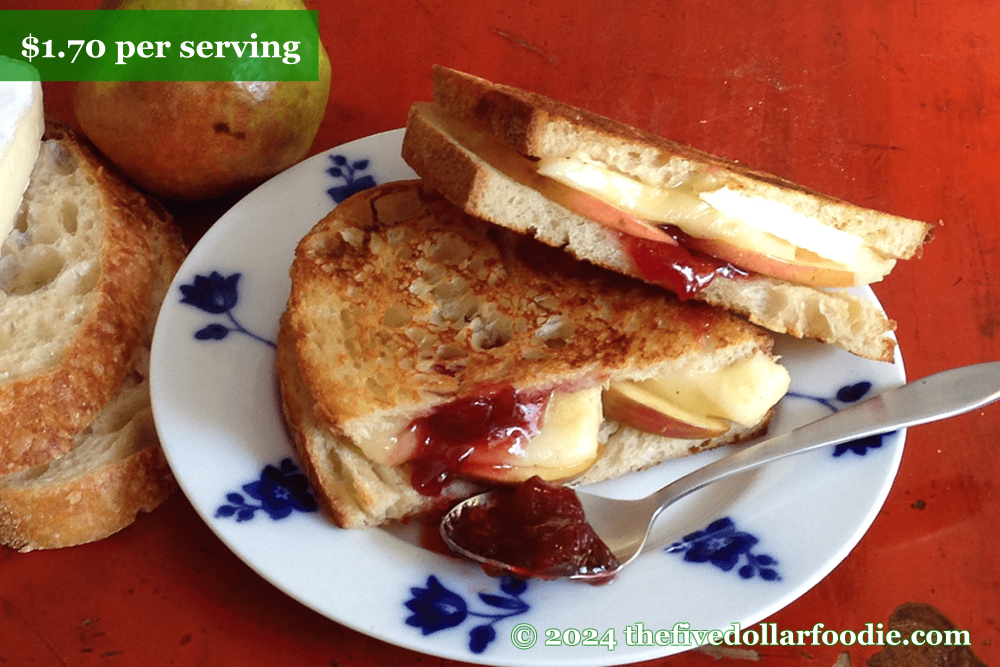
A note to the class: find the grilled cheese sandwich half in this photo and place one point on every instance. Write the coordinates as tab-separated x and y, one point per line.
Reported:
624	199
424	354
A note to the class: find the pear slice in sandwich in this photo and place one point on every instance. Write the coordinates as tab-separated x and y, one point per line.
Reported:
425	354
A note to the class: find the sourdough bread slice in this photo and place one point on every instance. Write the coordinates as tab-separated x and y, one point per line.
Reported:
536	126
400	303
115	468
75	279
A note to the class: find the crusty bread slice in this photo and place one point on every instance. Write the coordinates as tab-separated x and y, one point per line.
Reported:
537	126
115	468
75	279
400	303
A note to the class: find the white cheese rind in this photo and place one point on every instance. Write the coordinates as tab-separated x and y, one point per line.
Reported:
22	122
781	220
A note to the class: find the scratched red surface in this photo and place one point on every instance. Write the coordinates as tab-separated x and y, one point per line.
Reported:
892	104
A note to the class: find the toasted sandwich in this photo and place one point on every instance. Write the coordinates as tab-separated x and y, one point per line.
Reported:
424	354
703	227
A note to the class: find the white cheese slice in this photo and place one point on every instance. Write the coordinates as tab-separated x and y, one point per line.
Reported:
22	121
696	212
680	207
784	222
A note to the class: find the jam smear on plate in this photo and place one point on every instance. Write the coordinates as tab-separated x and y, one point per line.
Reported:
539	529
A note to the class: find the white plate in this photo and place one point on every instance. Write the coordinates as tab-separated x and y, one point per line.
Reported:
780	529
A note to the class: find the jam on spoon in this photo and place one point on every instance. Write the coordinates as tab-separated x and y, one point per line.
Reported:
537	528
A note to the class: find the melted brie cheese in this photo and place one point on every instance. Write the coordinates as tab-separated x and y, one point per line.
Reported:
782	221
710	212
22	122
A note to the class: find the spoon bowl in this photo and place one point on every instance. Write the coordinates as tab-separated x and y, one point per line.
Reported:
624	525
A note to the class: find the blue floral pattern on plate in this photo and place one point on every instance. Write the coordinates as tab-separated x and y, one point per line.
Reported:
347	170
218	295
281	490
435	608
851	393
721	544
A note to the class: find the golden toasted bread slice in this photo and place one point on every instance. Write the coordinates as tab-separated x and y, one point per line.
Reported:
481	145
401	304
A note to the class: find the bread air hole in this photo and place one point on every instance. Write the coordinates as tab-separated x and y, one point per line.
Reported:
556	331
376	389
450	250
69	216
496	332
396	315
33	269
87	278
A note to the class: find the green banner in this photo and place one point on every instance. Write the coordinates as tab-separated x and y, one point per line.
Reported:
160	45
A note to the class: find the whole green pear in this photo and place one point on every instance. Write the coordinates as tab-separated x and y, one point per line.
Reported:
194	140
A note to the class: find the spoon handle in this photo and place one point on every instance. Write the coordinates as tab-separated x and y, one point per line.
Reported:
939	396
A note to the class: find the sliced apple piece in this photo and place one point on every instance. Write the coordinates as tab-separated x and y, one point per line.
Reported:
742	392
822	274
603	213
565	446
632	404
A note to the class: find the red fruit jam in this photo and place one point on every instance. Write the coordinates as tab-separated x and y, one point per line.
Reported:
682	271
476	436
540	530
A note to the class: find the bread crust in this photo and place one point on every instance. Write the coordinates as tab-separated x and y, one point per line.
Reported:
833	317
114	468
400	302
351	490
89	508
44	411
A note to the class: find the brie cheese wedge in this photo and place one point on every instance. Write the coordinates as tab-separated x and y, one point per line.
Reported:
22	121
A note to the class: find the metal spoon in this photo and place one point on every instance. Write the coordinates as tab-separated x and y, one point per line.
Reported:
624	525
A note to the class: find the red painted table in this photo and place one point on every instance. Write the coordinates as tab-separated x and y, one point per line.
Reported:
892	104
